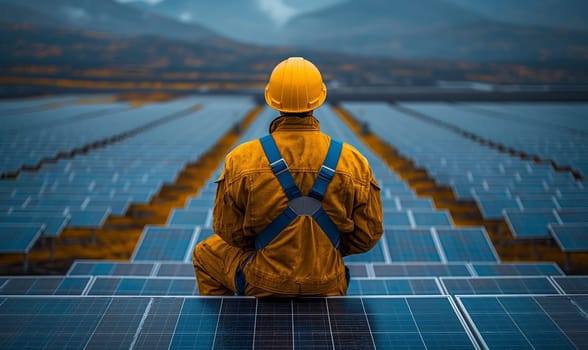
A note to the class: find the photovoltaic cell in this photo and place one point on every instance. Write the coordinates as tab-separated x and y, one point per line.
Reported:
551	322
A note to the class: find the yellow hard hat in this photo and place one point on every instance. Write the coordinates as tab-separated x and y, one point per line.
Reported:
295	86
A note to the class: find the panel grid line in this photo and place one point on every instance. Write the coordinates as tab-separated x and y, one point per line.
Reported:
141	323
330	327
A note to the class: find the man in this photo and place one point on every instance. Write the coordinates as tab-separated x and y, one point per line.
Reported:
290	205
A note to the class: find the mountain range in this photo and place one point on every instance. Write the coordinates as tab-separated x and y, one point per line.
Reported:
105	44
476	30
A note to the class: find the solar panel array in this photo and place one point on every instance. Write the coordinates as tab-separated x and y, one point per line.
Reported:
426	284
536	201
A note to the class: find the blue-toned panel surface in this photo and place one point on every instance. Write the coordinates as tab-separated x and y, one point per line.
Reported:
466	245
99	268
44	285
572	284
524	269
164	243
550	322
571	237
19	238
420	270
411	245
498	285
530	223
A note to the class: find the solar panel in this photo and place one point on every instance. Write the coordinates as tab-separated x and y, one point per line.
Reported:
573	216
376	254
107	268
431	218
200	202
175	270
420	270
570	237
411	245
519	269
551	322
530	224
415	203
573	203
165	244
572	284
204	234
140	286
54	223
19	238
189	217
357	270
498	285
492	208
394	218
393	286
44	285
466	244
88	218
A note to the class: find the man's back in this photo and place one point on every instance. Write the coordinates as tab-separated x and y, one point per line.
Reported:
301	260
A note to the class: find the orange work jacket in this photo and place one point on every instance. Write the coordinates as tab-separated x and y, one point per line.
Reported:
301	260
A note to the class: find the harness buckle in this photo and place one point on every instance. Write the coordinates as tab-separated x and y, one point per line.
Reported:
279	166
326	173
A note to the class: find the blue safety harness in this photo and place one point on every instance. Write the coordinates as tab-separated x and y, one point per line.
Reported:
298	205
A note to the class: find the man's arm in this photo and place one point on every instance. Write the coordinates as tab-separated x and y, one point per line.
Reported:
227	217
367	217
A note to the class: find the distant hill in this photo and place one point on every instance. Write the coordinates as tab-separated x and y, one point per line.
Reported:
238	19
430	29
106	16
37	60
571	14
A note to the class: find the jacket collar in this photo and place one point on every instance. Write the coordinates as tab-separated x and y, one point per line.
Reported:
284	123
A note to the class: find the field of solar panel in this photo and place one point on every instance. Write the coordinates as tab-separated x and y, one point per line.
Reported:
514	275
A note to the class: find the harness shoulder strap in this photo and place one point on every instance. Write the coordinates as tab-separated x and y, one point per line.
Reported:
279	167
